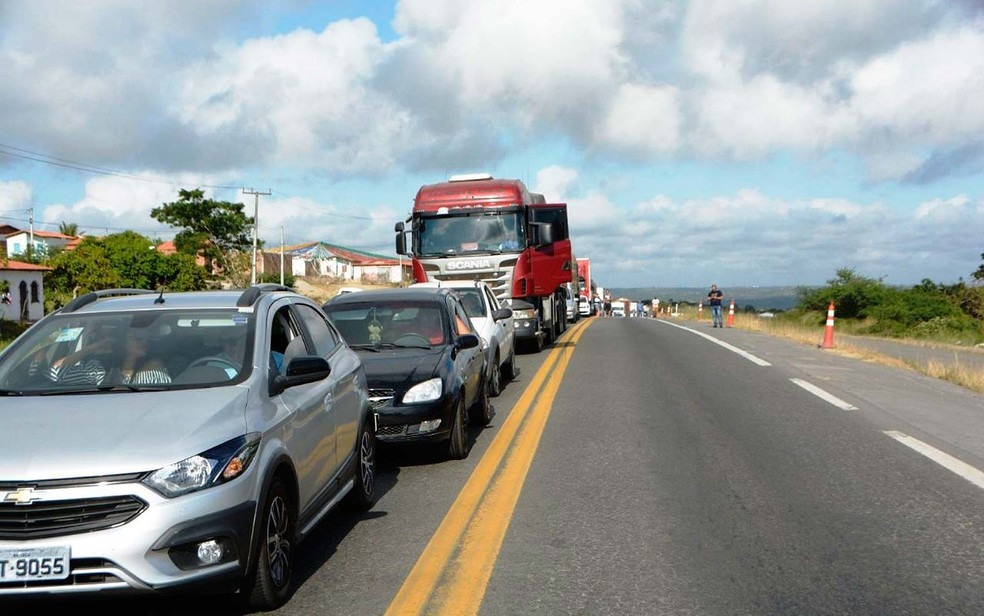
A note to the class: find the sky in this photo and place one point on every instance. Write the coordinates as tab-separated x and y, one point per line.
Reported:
736	142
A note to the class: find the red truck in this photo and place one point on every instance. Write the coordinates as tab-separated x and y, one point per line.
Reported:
586	287
476	226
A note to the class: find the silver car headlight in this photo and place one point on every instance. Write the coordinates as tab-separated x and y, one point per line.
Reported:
424	392
210	468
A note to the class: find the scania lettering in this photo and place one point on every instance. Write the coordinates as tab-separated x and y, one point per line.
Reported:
520	244
465	265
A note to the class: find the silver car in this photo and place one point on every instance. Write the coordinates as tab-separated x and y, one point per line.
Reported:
153	441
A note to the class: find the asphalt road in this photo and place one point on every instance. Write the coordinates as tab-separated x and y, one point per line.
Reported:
674	475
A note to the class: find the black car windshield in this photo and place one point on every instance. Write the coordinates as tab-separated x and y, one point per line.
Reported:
396	323
469	233
129	352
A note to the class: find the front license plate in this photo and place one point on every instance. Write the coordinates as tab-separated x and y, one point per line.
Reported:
32	564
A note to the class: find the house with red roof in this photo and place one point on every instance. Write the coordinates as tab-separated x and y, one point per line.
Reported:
24	283
44	241
333	261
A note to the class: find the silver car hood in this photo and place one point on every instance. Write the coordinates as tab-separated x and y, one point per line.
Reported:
95	435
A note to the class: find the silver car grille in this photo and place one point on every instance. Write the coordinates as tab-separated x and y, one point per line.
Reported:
42	519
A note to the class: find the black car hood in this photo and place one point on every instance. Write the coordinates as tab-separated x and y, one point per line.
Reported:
402	368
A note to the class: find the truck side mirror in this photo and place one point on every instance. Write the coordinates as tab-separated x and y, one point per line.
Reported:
542	234
398	227
401	241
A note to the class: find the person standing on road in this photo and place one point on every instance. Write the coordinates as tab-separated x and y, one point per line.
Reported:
714	299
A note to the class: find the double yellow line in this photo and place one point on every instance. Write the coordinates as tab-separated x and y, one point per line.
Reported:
452	573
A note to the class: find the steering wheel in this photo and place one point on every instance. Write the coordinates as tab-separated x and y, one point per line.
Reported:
221	362
412	339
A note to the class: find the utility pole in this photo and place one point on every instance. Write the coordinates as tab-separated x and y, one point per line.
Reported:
256	226
30	244
281	256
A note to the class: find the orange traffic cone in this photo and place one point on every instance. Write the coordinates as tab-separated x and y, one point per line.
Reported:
828	334
731	314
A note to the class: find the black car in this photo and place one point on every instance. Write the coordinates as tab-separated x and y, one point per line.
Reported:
424	361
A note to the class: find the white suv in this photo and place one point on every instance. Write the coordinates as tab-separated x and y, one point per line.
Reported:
493	321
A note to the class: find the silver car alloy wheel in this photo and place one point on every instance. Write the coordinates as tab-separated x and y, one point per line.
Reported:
278	542
367	462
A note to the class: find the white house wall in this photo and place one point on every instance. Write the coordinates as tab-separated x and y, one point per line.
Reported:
35	310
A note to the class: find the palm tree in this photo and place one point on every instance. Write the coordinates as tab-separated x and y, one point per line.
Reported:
69	228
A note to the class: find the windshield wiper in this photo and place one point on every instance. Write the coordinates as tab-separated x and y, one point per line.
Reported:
366	347
393	345
102	389
10	392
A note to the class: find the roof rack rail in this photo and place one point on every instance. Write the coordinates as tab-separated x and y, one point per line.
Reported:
88	298
250	295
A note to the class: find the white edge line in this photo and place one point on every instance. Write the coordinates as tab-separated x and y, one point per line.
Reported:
733	349
945	460
825	395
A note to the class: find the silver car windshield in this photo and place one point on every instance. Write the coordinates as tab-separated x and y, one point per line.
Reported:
129	351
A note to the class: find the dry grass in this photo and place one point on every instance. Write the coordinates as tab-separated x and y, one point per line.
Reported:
969	377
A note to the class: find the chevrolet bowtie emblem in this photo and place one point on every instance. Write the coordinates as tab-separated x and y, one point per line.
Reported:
23	496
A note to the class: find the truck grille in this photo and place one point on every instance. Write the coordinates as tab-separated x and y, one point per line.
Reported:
498	280
56	518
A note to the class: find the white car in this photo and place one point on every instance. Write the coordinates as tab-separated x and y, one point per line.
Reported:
494	322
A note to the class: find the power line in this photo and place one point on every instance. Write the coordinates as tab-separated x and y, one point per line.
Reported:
24	154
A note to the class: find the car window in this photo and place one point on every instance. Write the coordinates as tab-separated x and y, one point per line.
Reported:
285	340
462	324
318	328
490	298
473	301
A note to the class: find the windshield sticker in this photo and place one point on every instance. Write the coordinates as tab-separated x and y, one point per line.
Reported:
247	309
239	320
69	334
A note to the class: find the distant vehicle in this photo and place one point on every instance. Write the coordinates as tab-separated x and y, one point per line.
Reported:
570	300
155	441
344	290
493	322
495	229
584	307
618	308
424	362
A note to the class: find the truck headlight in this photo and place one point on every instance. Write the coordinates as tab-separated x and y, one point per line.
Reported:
424	392
525	314
213	467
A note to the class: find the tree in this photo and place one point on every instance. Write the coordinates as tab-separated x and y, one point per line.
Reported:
214	229
125	259
979	274
68	228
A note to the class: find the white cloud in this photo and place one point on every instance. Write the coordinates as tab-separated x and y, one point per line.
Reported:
14	197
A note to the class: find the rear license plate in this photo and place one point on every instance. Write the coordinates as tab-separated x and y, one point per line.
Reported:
32	564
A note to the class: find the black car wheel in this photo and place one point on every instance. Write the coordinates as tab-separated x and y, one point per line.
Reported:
270	583
362	496
458	445
482	411
495	378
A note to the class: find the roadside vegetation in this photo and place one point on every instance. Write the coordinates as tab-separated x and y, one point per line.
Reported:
926	314
213	249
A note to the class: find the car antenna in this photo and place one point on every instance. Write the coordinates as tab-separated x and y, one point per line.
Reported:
160	298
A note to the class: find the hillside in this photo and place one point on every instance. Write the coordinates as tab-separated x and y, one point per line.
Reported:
762	298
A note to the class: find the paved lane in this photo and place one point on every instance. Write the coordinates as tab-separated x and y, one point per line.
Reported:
677	477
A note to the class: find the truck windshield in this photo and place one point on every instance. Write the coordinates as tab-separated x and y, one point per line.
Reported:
469	233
